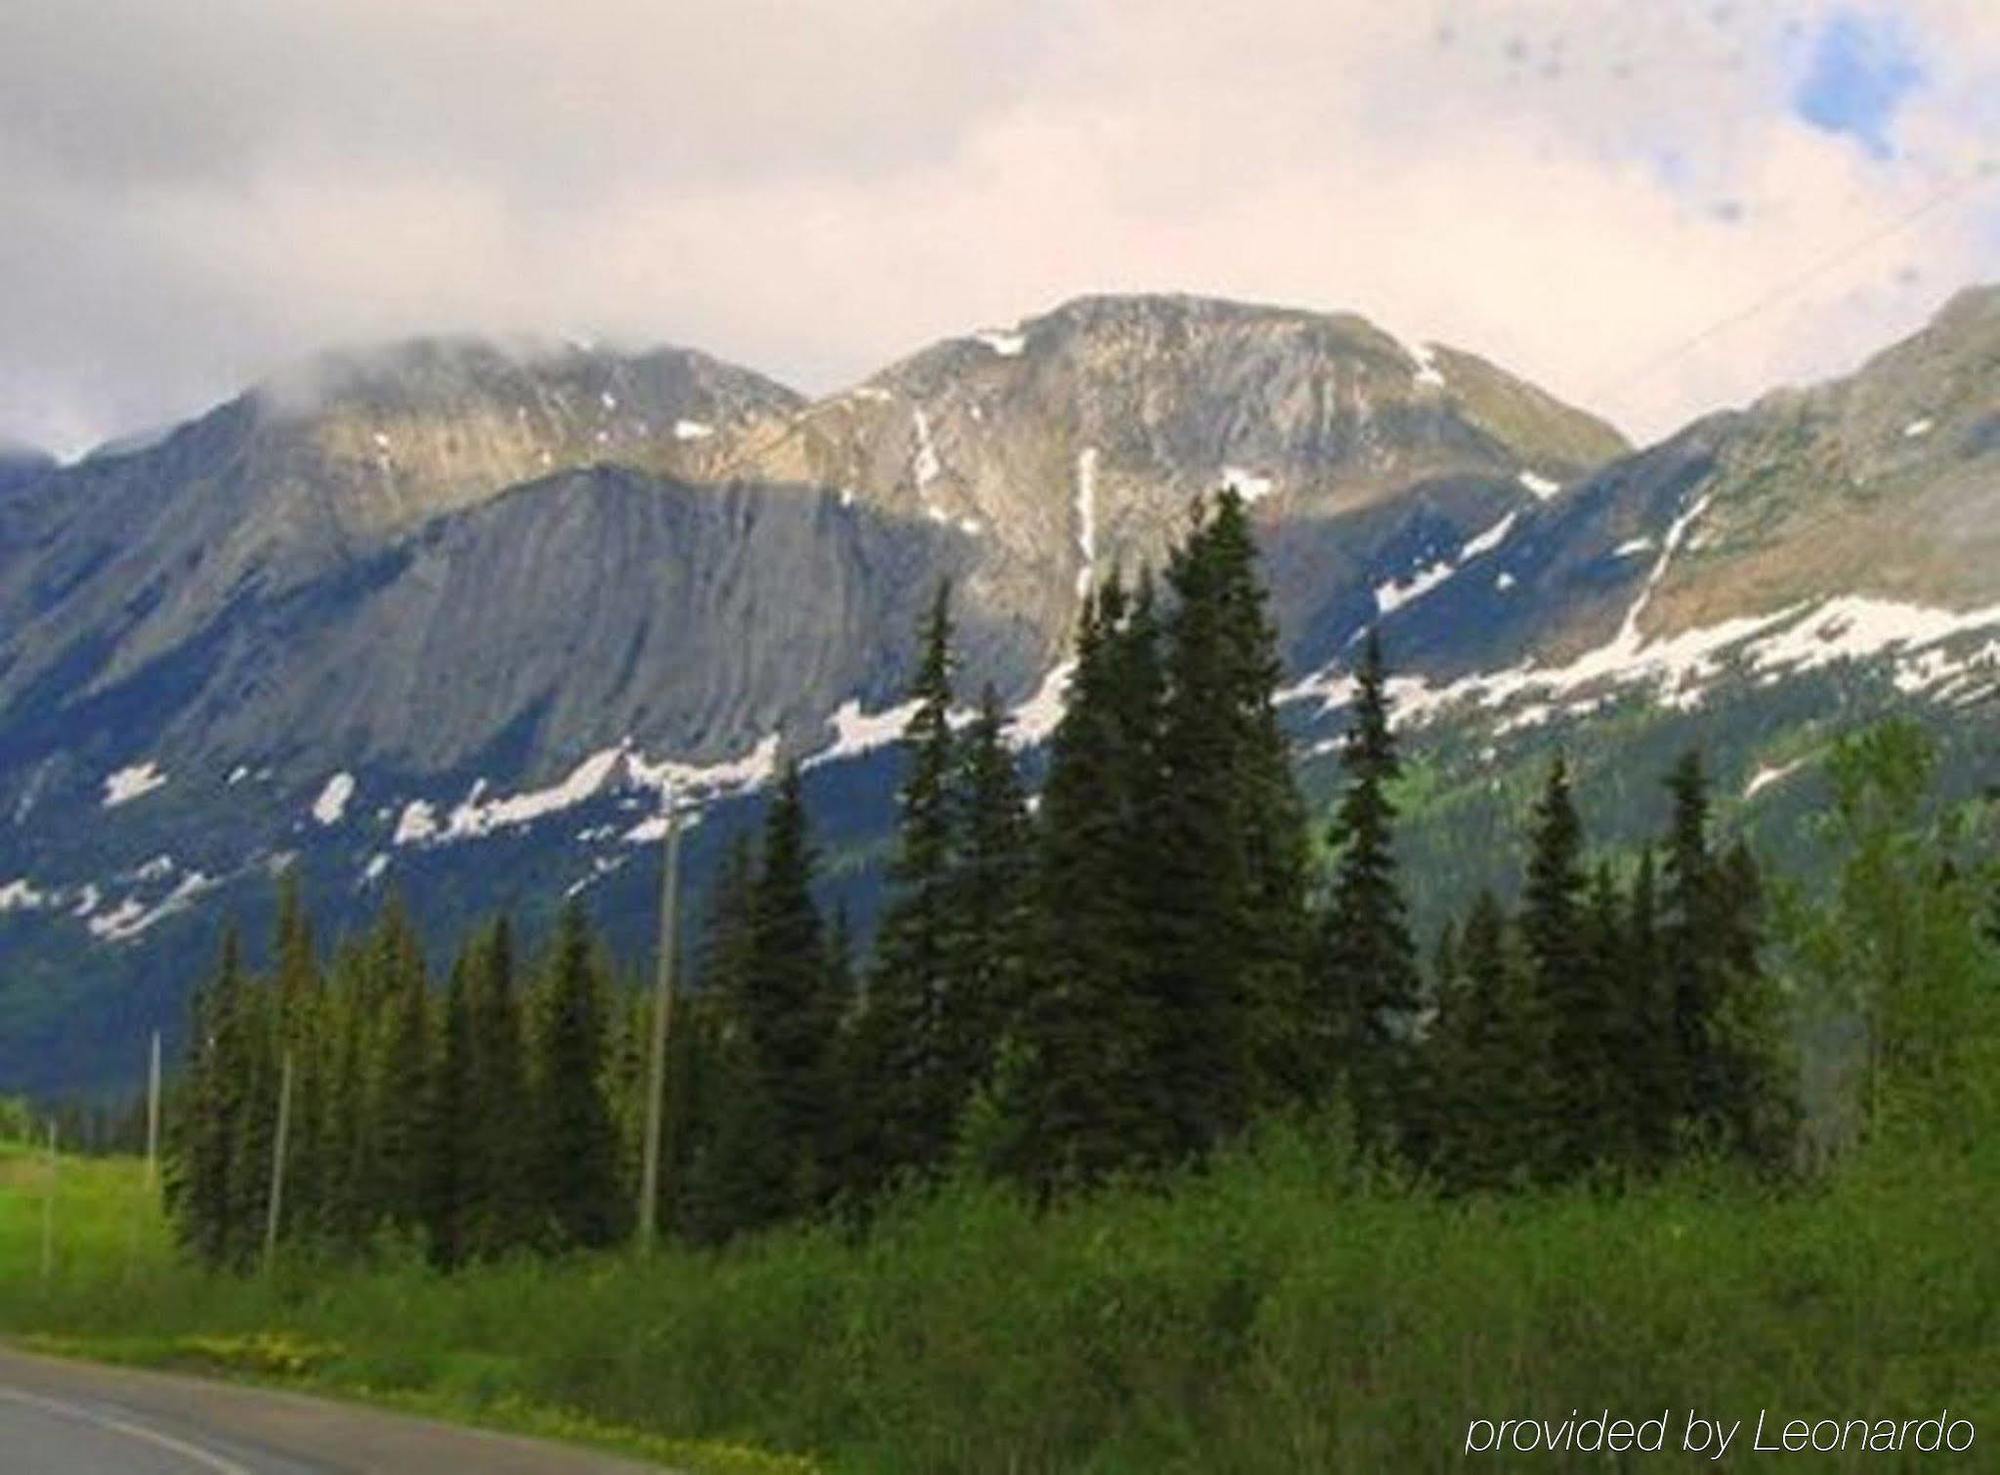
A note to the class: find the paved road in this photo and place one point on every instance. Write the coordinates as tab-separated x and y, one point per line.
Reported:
70	1418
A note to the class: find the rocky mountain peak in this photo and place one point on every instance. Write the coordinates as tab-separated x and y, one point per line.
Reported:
1074	441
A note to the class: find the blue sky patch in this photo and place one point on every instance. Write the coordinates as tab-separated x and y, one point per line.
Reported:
1862	68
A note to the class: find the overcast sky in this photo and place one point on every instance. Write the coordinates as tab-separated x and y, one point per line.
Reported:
1591	192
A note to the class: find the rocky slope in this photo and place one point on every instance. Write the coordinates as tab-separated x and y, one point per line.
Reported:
1074	443
445	616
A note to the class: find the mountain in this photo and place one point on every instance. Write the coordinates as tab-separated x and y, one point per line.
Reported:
21	464
445	615
1853	520
1073	443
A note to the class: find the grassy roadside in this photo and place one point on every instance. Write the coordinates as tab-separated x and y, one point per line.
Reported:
1276	1315
110	1243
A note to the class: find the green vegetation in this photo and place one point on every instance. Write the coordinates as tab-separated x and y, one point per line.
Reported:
1280	1312
1134	1154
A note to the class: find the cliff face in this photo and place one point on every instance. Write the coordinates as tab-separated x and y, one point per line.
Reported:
404	613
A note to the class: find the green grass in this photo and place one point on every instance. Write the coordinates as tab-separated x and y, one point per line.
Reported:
1278	1314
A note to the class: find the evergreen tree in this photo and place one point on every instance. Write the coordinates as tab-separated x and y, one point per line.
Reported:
905	1055
498	1193
718	1054
774	1141
1568	991
202	1150
1602	1041
1490	1043
402	1117
254	1033
991	896
1690	928
1366	1004
301	1034
1227	922
346	1180
1757	1113
1076	1091
575	1151
1646	1042
454	1129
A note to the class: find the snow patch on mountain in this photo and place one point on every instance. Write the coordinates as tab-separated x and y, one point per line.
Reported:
1248	484
1034	722
1006	344
1393	595
623	767
131	917
1917	428
1487	541
131	783
473	817
1399	592
331	805
1427	375
1801	638
416	824
692	430
1540	485
856	732
691	785
1086	518
20	895
1628	633
925	466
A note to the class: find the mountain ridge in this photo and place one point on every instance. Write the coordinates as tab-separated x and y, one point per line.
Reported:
506	665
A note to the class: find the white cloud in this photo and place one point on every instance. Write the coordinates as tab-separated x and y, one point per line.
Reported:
1575	188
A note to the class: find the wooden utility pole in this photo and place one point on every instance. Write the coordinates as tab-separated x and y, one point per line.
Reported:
153	1117
276	1204
49	1212
663	1009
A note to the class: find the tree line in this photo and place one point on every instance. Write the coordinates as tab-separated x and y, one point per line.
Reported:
1116	976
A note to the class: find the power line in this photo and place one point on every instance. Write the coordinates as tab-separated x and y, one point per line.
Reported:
1795	284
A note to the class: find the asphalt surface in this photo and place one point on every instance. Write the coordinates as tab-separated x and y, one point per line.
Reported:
71	1418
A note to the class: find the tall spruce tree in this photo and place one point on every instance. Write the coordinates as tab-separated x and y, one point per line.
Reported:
1757	1113
1602	1039
1646	1041
719	1050
575	1150
775	1139
498	1191
254	1034
1076	1092
1567	987
451	1168
403	1119
1228	921
1365	1007
1690	928
1492	1078
991	896
909	1084
346	1178
209	1106
302	1035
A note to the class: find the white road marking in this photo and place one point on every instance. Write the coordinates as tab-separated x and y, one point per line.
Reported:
201	1457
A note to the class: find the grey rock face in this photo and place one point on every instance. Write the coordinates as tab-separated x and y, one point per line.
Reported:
378	558
1075	443
455	569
